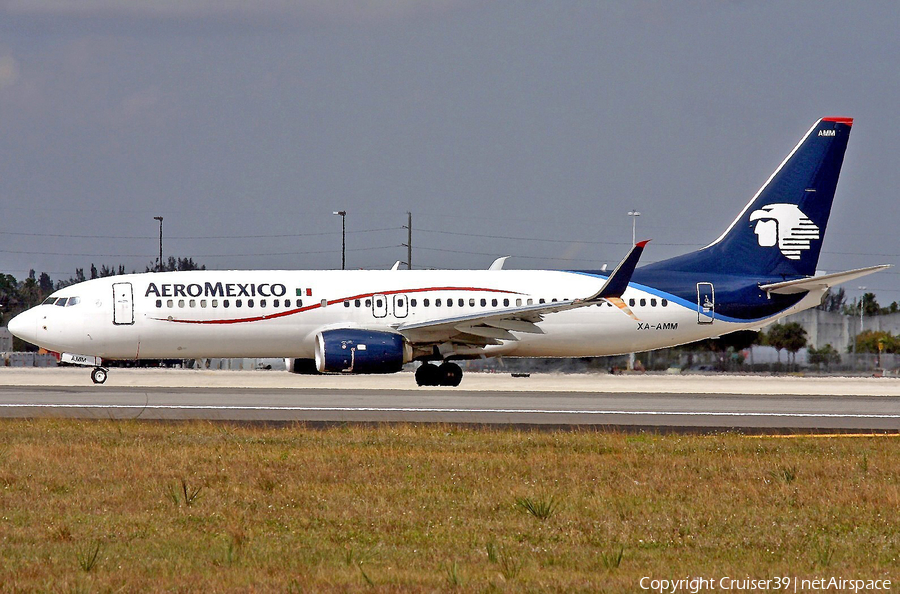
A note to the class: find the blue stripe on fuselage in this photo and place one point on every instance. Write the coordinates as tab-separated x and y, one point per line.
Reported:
738	298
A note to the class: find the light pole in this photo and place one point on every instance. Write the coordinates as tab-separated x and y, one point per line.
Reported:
159	263
634	214
343	215
862	299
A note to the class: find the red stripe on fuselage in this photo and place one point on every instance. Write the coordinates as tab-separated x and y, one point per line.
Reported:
290	312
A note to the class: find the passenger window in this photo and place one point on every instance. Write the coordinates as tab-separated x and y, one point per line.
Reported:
653	303
368	303
399	303
62	302
356	303
262	302
346	304
238	303
378	302
437	302
643	302
158	303
471	303
412	302
449	303
170	303
299	303
531	302
518	302
460	302
193	303
631	302
664	303
506	303
324	303
542	301
203	303
181	303
483	302
553	300
215	303
493	303
276	303
249	303
287	302
225	303
426	302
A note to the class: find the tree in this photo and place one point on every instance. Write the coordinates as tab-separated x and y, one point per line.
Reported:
45	283
173	264
790	337
29	291
826	356
870	307
834	301
9	294
867	341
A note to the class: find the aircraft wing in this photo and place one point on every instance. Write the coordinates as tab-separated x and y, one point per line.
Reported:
486	328
823	281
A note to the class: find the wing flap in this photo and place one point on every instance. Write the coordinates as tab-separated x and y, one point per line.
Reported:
487	332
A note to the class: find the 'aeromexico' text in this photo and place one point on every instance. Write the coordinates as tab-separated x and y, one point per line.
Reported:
216	290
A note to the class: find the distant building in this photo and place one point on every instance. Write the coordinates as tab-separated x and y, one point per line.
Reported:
839	330
6	340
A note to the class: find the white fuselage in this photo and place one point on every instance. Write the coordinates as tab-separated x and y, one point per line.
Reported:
278	313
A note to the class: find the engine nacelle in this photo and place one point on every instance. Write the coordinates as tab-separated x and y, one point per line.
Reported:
360	351
301	366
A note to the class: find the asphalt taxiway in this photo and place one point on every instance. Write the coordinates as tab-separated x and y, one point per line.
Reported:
750	403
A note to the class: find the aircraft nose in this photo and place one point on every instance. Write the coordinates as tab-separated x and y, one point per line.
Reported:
23	326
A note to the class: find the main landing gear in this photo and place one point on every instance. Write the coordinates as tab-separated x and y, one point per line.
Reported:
99	375
445	374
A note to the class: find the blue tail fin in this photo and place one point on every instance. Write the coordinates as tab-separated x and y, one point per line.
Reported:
780	231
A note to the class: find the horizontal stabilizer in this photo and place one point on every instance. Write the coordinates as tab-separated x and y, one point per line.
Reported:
618	281
819	282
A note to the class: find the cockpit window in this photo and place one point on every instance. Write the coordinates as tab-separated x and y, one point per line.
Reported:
62	301
73	301
49	301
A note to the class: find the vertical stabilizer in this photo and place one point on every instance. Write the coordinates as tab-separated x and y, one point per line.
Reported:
780	231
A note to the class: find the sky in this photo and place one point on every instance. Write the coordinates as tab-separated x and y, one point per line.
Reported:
520	128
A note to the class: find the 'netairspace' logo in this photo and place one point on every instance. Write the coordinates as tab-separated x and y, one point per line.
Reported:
786	226
694	585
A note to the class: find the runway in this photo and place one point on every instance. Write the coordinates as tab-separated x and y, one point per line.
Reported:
390	400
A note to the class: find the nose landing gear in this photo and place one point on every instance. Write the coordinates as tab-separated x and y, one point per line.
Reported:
99	375
445	374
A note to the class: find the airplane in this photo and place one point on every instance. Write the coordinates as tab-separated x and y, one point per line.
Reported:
761	268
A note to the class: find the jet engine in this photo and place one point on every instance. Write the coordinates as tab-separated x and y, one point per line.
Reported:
361	351
301	366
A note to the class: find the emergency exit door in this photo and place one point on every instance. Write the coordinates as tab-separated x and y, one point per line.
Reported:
123	304
706	303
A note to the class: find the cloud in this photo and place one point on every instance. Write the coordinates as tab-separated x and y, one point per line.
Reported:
260	10
9	71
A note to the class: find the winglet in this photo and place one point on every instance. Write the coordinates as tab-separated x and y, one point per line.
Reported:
618	281
498	263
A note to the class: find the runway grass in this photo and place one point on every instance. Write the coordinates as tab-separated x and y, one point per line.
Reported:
110	506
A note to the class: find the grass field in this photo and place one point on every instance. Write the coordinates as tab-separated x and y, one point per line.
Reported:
137	506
